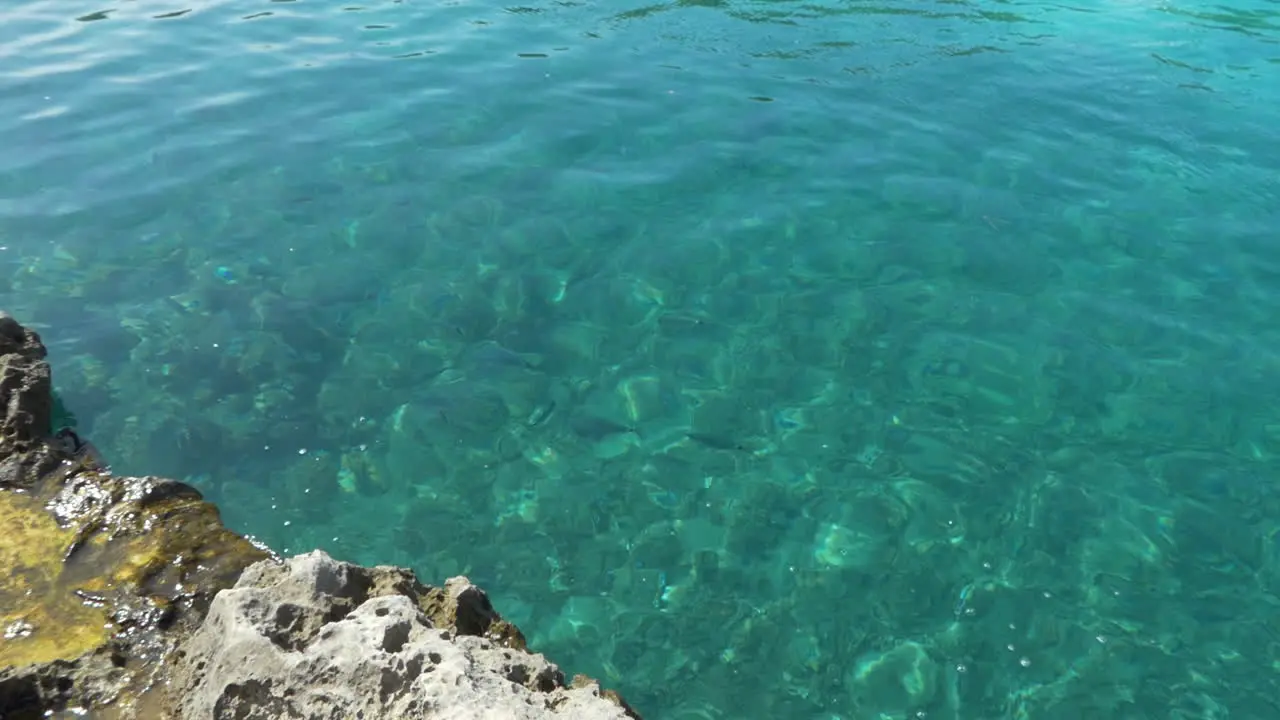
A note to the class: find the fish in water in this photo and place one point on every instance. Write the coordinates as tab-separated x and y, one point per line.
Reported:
487	357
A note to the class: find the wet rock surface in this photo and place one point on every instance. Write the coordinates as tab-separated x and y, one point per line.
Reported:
125	597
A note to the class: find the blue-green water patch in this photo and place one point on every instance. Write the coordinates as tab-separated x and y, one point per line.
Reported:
826	360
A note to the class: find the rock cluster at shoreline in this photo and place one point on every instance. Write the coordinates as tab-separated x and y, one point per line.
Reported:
127	598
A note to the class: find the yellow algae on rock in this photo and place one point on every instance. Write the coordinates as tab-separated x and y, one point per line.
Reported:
66	582
42	619
106	573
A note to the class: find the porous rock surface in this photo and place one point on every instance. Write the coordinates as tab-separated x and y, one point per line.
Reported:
318	638
125	598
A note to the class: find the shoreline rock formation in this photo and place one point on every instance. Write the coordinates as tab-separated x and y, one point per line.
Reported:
126	598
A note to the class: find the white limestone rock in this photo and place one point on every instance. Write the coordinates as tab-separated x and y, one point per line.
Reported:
320	639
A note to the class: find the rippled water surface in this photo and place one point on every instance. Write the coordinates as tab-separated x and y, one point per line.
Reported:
851	360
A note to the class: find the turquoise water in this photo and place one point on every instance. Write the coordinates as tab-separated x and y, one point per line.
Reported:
764	359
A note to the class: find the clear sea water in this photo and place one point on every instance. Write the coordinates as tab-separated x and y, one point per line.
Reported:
850	359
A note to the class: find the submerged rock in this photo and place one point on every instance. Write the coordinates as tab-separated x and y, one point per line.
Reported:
125	597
